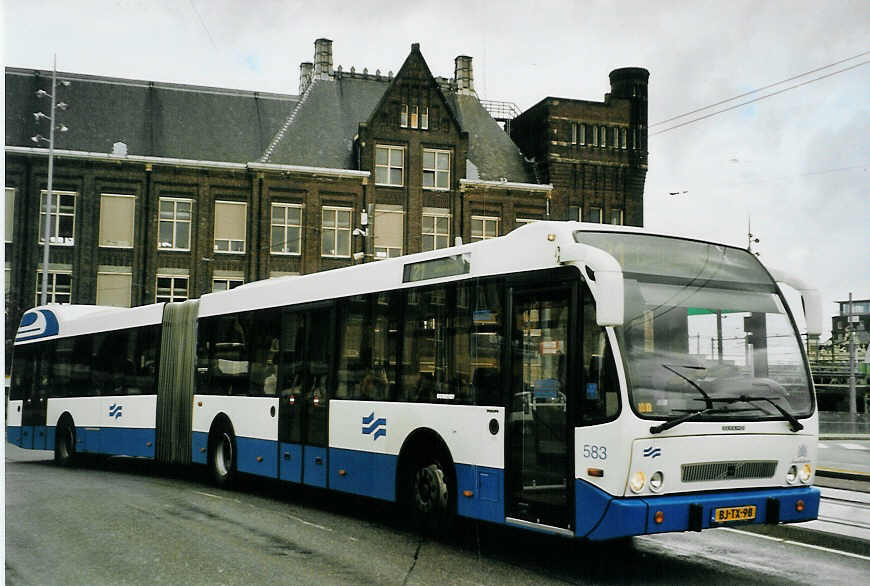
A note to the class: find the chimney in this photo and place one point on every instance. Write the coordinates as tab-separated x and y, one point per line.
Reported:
306	69
464	75
322	59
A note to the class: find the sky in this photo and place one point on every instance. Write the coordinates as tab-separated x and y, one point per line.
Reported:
797	164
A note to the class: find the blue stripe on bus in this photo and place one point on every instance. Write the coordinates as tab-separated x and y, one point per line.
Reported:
199	447
602	516
257	456
314	466
487	492
13	435
363	473
290	462
116	441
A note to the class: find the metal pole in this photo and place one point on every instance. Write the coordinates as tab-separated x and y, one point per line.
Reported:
851	333
50	194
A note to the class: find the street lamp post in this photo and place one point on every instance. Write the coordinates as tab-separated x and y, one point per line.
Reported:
51	118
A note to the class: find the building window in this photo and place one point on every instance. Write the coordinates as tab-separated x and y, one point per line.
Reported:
634	138
594	136
59	287
171	288
436	228
7	282
582	134
413	118
424	118
218	285
573	133
436	169
335	232
114	289
403	117
594	215
10	213
116	220
389	231
286	228
623	139
62	217
483	228
230	220
603	135
175	220
616	216
390	165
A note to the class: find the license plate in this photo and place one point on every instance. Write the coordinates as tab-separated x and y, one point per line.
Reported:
728	514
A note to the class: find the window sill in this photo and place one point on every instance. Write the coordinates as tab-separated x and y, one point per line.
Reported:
242	253
128	247
436	189
285	253
344	257
173	249
389	185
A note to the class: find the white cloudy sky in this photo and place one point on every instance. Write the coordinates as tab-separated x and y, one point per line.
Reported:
797	163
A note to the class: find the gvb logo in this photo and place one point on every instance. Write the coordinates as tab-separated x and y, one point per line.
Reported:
378	427
115	410
652	452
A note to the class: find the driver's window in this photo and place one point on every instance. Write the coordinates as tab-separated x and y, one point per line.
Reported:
599	394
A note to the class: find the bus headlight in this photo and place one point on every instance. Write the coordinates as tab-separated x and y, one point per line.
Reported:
791	475
804	473
656	481
637	481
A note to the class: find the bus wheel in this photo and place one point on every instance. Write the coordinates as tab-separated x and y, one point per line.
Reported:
65	443
222	457
429	496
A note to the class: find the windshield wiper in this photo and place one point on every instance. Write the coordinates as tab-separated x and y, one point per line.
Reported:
682	418
707	399
795	424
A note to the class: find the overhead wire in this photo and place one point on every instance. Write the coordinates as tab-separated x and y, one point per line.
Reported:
762	88
758	99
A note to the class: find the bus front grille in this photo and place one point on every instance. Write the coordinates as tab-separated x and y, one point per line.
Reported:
710	471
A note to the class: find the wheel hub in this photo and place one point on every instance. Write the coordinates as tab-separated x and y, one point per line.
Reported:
430	490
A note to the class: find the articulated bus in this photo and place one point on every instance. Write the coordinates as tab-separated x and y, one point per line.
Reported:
576	379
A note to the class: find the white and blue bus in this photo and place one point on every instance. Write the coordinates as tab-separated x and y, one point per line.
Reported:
583	380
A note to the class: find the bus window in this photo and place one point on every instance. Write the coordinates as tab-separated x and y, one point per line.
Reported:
599	396
22	372
224	339
264	348
486	343
426	352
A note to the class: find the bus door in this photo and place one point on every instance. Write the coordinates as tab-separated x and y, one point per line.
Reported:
34	407
304	382
540	442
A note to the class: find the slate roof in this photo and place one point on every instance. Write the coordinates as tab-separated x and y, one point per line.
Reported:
153	119
215	124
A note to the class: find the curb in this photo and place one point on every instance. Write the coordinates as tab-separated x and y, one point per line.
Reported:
844	474
795	532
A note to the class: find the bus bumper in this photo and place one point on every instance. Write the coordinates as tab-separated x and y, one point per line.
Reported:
600	516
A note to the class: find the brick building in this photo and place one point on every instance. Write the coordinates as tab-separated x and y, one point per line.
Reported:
164	192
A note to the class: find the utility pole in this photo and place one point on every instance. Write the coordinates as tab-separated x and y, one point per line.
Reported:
850	331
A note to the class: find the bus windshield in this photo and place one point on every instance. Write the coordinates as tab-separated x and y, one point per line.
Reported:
705	328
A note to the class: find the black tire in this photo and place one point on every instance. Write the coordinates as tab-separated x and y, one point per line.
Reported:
429	494
222	456
65	444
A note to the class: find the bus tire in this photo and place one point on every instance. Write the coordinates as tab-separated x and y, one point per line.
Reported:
222	455
65	443
429	494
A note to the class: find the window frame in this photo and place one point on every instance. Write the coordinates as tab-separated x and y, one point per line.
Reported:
175	201
68	241
132	221
435	170
10	217
403	116
434	233
230	241
172	297
589	215
623	140
621	212
602	136
389	166
424	117
285	226
238	283
381	210
335	228
485	220
129	290
52	286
